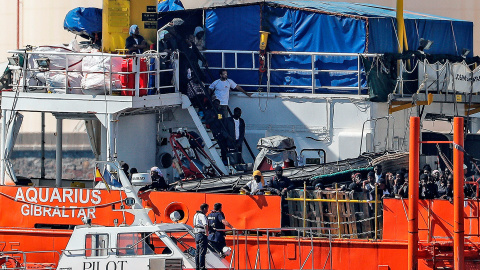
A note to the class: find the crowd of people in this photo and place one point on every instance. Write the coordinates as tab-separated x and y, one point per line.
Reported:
433	184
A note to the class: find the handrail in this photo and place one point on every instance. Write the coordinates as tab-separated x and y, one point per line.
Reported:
359	71
113	76
237	233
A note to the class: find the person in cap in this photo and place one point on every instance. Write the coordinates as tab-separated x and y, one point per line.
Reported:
200	224
135	43
158	181
254	186
216	223
199	35
280	184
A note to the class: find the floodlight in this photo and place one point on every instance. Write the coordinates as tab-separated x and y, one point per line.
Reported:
424	44
43	63
465	52
13	60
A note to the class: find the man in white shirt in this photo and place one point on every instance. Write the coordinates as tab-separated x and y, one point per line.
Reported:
221	89
200	225
255	186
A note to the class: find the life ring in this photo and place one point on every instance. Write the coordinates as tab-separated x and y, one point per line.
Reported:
9	262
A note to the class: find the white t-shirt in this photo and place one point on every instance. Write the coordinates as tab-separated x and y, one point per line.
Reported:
222	90
199	222
237	128
254	186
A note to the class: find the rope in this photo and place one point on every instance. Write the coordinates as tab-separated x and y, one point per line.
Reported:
334	222
454	39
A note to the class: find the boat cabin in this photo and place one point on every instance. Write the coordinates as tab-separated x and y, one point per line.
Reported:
161	246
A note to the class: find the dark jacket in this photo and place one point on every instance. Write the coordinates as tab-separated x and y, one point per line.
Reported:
130	41
280	183
230	127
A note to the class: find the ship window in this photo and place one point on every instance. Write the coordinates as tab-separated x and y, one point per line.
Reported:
129	244
96	245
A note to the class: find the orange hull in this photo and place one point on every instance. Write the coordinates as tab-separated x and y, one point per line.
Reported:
24	218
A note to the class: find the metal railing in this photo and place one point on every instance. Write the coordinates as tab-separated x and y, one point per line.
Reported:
17	260
313	70
63	68
62	71
338	221
238	234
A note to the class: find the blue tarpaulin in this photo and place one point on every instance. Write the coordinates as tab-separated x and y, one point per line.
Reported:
169	5
318	26
84	21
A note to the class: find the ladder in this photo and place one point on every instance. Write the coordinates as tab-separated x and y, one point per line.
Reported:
205	134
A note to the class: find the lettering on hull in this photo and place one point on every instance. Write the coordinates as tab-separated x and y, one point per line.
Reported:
38	202
110	265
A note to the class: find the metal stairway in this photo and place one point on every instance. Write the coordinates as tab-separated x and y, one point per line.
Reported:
206	135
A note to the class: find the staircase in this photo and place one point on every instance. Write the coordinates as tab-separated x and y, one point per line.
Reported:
206	135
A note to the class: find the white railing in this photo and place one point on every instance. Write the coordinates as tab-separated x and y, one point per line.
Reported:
108	74
225	56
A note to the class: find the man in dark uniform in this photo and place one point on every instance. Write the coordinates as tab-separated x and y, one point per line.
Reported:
200	225
217	221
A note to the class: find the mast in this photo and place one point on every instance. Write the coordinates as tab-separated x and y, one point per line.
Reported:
401	35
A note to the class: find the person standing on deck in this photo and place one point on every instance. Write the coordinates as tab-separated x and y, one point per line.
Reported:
135	43
200	225
216	222
221	89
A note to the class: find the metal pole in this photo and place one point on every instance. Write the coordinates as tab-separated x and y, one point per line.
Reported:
359	70
376	211
42	147
3	143
413	193
338	211
458	196
304	206
58	154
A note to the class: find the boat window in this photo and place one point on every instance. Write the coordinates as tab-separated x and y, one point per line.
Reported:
140	244
96	245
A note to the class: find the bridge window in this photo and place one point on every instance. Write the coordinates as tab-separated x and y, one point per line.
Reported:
129	244
96	245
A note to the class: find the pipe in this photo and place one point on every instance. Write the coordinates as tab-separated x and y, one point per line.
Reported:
400	25
413	168
42	147
458	196
58	154
18	24
3	143
304	206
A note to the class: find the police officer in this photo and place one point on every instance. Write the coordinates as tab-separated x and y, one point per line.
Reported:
200	225
217	221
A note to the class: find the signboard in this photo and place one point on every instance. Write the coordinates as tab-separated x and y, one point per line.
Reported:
152	9
149	17
150	25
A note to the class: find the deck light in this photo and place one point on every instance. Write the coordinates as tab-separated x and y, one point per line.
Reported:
424	44
465	52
